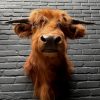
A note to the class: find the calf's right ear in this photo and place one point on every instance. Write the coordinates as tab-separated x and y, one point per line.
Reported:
23	30
22	27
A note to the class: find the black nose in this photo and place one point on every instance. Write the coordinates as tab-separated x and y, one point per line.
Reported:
50	39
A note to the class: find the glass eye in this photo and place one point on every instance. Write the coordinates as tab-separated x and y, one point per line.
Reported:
59	24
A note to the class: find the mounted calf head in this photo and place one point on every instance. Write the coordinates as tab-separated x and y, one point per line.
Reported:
47	64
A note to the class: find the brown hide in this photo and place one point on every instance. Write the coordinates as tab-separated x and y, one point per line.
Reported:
48	64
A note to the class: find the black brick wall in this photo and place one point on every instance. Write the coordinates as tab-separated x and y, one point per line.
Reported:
85	52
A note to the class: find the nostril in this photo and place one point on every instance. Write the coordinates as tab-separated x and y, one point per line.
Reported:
58	39
43	39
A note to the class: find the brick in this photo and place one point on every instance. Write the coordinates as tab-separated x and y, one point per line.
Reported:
3	37
90	11
82	15
81	8
20	64
92	64
13	6
15	3
41	4
88	41
1	72
14	0
95	7
80	46
24	42
79	77
88	98
22	79
72	4
14	42
81	93
92	19
97	58
75	11
29	87
16	59
88	84
3	59
11	15
91	51
7	95
14	87
7	65
95	92
28	7
94	1
98	3
94	36
88	4
6	10
90	33
2	6
24	95
20	10
63	1
64	7
82	58
73	41
48	0
52	7
95	46
99	70
74	52
8	53
9	42
93	28
2	31
31	0
78	63
24	52
18	47
13	72
80	1
55	4
93	77
86	70
13	37
7	80
2	47
98	31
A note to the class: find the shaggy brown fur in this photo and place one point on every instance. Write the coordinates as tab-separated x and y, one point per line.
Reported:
49	70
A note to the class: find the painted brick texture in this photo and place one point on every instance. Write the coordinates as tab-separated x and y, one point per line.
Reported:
85	52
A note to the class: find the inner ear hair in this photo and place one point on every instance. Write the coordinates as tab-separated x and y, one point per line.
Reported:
23	30
77	31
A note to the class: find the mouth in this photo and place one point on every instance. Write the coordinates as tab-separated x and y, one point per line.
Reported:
49	50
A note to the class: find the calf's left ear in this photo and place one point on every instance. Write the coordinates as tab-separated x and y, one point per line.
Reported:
22	27
77	29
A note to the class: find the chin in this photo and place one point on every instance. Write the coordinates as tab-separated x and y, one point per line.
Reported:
50	54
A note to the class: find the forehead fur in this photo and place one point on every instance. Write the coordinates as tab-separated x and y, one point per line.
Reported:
48	13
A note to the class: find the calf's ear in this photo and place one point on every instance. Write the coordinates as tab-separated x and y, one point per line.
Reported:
22	27
23	30
76	31
76	28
